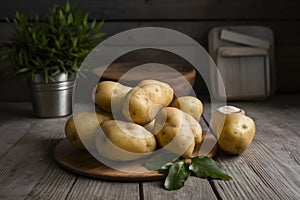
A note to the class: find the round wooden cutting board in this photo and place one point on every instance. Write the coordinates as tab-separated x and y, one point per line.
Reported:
81	162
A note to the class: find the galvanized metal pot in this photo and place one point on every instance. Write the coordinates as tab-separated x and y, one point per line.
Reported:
52	99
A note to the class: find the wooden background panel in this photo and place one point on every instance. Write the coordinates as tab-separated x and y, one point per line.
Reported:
168	9
192	17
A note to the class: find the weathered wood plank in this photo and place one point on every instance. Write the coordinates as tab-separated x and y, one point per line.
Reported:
26	162
194	188
56	183
285	32
13	124
168	9
87	188
267	169
12	131
286	39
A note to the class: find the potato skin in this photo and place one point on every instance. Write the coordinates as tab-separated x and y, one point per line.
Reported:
124	141
177	131
190	105
218	117
87	124
110	94
145	100
237	133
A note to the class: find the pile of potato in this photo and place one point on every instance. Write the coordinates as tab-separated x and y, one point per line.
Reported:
134	122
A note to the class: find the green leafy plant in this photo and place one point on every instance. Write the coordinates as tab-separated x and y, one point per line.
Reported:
52	43
178	170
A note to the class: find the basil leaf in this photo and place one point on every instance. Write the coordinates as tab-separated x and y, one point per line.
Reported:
158	161
178	173
204	167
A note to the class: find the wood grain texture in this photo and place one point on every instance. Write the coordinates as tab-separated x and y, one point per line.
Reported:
194	188
14	124
267	169
239	71
167	9
55	183
86	188
26	162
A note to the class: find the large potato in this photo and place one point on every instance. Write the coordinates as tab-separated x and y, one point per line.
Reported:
124	141
109	95
86	125
177	131
145	100
237	133
190	105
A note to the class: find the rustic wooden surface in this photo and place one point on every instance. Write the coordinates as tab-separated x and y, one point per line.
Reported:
269	169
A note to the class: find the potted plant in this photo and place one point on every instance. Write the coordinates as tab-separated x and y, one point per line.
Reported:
48	51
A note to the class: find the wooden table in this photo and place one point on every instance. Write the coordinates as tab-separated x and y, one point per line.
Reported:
269	169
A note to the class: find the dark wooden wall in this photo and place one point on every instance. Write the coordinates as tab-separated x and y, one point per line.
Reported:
192	17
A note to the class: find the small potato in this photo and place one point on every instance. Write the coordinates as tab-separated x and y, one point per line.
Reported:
109	95
86	125
177	131
124	141
145	100
190	105
237	133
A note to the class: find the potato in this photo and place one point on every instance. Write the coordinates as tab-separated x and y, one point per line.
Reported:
219	115
110	95
145	100
190	105
86	125
124	141
237	133
150	126
177	131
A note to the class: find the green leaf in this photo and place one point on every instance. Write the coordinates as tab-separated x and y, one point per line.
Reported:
23	70
165	169
178	174
98	35
204	167
67	7
158	161
70	18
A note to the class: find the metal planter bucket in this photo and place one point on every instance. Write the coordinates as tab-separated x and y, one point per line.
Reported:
52	99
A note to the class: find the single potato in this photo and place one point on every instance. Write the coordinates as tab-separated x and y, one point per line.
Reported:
218	117
177	131
119	140
86	125
109	95
145	100
237	133
190	105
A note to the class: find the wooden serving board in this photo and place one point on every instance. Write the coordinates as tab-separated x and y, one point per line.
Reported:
181	84
83	163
